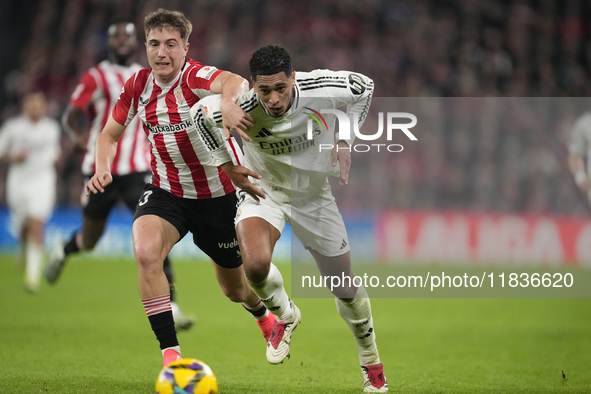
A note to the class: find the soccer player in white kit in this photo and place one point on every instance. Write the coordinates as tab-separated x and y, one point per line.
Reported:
96	95
188	192
579	149
30	143
293	179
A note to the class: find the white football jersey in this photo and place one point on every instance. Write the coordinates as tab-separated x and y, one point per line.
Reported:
40	141
580	139
281	151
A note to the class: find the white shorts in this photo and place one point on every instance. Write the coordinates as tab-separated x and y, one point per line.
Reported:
30	201
316	221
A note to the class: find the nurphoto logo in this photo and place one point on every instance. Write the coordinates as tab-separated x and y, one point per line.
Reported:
345	129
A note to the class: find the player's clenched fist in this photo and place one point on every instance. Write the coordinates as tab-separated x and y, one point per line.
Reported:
98	182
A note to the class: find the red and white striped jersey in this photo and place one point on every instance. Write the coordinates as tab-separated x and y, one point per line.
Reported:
97	94
180	163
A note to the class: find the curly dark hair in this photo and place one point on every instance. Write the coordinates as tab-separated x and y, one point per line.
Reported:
269	60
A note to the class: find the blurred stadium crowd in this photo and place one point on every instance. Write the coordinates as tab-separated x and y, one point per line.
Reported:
418	48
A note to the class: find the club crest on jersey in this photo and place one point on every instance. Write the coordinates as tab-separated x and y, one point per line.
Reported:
178	95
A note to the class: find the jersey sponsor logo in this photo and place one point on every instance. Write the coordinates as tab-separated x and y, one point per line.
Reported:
206	72
263	133
356	84
168	128
228	245
144	102
289	145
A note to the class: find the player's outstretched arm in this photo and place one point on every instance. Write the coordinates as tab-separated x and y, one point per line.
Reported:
70	126
239	177
233	117
106	148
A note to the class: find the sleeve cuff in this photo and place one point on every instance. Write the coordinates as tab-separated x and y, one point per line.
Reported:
221	156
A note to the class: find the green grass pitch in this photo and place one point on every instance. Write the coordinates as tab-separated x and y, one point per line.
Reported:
89	334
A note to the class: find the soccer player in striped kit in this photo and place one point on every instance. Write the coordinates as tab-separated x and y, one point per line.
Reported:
96	95
293	179
188	192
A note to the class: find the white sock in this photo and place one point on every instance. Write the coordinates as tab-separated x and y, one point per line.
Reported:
34	262
357	314
175	348
273	295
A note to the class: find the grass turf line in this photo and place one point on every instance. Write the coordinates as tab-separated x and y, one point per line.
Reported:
89	334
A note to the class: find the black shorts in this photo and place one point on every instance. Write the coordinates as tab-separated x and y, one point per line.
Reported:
127	188
211	221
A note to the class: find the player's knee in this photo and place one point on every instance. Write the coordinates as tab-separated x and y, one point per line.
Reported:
257	268
146	257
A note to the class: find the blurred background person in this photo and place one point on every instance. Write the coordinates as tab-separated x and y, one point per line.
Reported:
96	95
579	149
30	144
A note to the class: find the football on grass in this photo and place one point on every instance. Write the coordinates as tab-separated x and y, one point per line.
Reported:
187	376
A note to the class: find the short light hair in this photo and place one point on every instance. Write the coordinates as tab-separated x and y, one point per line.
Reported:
176	20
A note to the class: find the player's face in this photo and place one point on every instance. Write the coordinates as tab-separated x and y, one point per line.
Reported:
34	106
122	42
275	91
166	53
